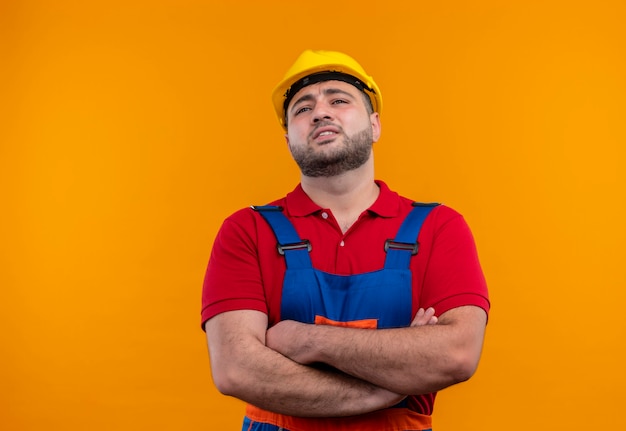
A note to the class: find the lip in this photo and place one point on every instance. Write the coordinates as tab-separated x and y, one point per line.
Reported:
319	131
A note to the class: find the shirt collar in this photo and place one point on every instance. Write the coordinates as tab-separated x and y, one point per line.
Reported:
298	203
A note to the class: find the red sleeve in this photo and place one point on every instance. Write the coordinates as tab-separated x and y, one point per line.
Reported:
233	277
453	276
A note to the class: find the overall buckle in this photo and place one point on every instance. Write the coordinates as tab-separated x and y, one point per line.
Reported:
305	243
413	247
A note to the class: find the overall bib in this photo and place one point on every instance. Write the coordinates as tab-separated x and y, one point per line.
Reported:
373	300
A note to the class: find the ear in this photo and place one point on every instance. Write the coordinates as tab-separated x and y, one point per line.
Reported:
287	139
375	122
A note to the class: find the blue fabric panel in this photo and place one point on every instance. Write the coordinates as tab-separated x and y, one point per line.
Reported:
408	232
285	234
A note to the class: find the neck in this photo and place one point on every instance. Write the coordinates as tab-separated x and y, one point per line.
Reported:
347	195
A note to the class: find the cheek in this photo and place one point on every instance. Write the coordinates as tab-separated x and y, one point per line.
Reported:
292	140
295	135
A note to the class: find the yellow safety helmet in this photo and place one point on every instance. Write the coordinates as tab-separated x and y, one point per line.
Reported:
326	65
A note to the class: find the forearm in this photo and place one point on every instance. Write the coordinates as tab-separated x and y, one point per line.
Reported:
260	376
404	360
413	360
280	385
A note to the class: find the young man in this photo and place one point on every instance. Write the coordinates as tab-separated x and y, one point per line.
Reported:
342	306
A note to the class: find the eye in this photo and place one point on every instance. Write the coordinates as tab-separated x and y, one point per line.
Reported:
301	110
339	101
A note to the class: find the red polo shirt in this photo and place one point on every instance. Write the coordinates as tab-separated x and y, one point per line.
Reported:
246	272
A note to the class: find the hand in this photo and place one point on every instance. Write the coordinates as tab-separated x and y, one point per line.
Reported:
387	398
425	317
291	339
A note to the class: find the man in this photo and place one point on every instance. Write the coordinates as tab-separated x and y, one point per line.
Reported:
342	306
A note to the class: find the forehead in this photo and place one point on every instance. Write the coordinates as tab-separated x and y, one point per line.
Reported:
325	88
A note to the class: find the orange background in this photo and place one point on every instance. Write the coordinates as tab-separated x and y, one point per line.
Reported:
129	130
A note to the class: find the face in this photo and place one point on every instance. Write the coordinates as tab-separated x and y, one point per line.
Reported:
330	130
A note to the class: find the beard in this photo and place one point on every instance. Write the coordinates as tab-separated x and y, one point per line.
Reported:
354	152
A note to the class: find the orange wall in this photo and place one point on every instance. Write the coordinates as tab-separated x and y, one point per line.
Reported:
129	130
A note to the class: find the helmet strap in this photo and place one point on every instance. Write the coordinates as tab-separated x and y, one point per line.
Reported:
320	77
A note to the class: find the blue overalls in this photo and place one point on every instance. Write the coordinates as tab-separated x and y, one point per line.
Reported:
377	299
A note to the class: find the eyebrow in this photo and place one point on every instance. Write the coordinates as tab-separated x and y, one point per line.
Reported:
327	91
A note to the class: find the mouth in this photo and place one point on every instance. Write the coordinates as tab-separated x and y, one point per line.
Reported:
325	133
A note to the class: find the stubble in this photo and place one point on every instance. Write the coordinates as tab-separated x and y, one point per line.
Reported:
354	152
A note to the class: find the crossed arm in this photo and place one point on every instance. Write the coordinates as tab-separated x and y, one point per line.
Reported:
374	368
414	360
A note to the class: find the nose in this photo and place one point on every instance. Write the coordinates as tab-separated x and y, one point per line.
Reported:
321	112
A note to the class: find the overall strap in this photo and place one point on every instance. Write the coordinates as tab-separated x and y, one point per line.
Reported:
405	245
295	250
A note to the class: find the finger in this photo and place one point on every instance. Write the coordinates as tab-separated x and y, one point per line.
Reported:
429	316
421	318
425	317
